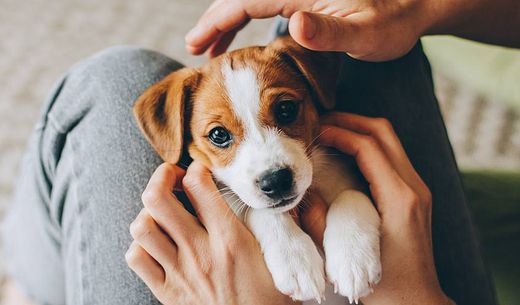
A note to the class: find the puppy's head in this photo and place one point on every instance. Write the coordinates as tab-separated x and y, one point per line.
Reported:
250	115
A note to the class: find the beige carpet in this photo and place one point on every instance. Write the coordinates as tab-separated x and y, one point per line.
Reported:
39	39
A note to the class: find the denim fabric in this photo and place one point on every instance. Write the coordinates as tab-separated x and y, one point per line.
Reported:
87	164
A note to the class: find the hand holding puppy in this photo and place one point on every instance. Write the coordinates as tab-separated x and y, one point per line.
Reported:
185	261
403	201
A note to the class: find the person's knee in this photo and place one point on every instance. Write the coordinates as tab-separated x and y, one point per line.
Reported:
128	57
126	63
109	80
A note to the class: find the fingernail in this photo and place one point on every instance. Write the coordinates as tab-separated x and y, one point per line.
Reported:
309	27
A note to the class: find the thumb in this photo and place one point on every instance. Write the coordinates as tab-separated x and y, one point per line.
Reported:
321	32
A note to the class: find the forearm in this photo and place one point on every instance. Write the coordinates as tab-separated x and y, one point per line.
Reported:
490	21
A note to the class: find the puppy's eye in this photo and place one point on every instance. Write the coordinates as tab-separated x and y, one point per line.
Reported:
220	137
286	112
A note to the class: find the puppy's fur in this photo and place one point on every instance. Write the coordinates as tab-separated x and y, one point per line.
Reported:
245	97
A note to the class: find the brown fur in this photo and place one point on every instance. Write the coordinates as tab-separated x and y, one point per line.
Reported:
188	103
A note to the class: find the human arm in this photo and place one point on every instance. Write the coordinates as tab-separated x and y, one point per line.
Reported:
489	21
403	201
212	259
366	29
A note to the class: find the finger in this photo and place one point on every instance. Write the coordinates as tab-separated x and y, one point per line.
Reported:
382	130
222	43
385	183
164	207
174	177
322	32
212	209
223	16
144	266
153	240
313	217
220	18
179	174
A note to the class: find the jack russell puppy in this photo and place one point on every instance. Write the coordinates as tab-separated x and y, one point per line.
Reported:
251	116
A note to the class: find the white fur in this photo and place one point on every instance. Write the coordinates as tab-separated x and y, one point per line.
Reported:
351	240
262	148
243	91
290	255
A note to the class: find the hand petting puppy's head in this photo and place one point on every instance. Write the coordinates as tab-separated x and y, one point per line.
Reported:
250	115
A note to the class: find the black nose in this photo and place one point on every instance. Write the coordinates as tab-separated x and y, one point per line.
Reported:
277	183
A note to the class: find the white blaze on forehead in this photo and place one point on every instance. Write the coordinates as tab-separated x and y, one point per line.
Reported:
262	148
244	92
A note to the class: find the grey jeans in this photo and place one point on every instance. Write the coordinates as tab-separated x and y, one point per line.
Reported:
87	163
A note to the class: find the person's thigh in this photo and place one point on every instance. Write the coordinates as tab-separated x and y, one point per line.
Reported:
67	231
402	91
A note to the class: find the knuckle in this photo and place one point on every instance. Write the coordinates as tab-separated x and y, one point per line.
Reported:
140	228
333	26
149	195
133	256
168	168
410	198
152	197
383	125
191	180
367	142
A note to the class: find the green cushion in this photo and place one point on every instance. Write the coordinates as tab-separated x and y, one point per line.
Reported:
494	200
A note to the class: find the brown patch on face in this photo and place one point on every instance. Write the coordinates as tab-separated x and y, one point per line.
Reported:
280	82
212	108
281	77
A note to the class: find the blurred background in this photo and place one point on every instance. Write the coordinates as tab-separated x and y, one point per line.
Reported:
478	87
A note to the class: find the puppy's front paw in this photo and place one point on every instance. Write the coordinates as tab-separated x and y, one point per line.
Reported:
351	244
297	268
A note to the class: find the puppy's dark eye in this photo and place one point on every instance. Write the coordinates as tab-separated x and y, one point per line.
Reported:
220	137
286	112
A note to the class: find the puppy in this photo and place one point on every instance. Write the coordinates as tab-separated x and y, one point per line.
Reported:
251	116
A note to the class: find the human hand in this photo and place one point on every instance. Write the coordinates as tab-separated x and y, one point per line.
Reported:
403	201
365	29
212	260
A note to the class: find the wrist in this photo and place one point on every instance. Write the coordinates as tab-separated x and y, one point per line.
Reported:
424	15
437	17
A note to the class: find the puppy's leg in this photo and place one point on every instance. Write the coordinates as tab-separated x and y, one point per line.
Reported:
351	244
290	254
351	240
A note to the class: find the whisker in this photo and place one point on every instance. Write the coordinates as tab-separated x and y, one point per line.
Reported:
315	138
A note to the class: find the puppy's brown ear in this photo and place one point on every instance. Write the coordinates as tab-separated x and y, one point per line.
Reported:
320	69
160	112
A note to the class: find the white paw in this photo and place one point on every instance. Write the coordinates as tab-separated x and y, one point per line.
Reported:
351	244
297	268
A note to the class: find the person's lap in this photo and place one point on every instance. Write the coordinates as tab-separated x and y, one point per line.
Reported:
81	184
87	164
